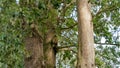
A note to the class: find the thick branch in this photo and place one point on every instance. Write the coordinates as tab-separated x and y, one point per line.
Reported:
36	30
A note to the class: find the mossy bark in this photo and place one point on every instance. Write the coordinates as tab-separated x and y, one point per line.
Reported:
40	54
34	53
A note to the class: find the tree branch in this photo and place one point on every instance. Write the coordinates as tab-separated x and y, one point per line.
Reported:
70	48
67	5
36	30
66	48
70	27
73	46
106	9
64	7
107	44
60	47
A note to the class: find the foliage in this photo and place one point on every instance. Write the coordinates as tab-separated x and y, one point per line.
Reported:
106	25
62	15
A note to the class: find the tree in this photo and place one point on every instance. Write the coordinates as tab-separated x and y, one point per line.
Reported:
40	45
85	32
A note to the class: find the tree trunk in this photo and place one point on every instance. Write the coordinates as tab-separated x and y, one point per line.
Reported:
34	52
41	54
86	56
49	56
50	49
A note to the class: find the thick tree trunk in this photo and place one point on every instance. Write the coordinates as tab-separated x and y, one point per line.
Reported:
41	53
86	41
34	53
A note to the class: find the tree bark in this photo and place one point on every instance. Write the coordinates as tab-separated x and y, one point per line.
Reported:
41	53
86	55
34	53
50	49
49	56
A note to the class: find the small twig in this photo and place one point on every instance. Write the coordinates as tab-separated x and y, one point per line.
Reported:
106	44
67	5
